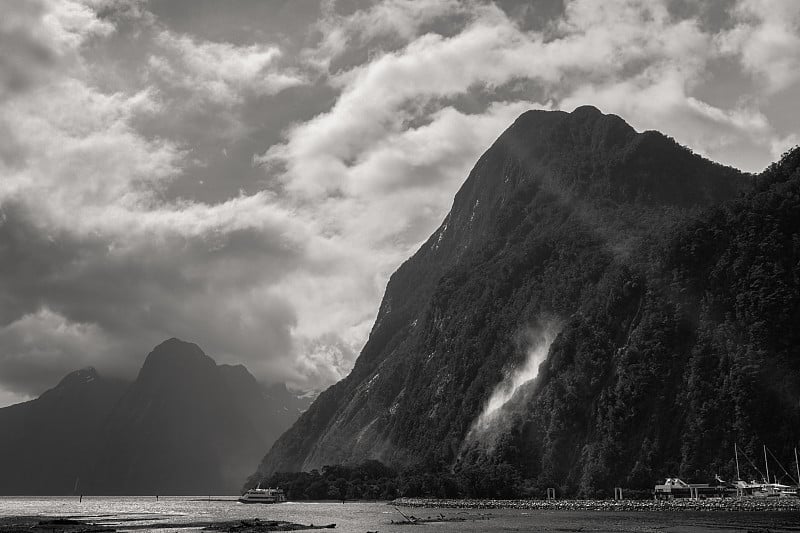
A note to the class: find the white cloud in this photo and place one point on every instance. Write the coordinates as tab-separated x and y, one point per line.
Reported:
8	397
741	136
766	39
221	72
598	43
117	265
69	24
42	38
383	24
780	145
370	107
380	167
40	348
82	153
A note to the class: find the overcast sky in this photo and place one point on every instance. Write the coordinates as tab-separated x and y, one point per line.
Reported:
247	174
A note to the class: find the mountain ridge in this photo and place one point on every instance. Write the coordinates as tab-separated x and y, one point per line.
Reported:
111	436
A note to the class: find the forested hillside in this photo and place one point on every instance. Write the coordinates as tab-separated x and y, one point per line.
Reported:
674	300
679	355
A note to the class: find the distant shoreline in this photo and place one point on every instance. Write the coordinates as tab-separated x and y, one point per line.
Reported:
709	504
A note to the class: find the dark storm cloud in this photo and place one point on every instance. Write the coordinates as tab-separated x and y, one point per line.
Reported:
247	177
69	302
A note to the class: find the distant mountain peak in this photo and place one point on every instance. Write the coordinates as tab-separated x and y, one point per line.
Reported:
184	426
175	343
177	348
174	357
588	110
238	376
540	133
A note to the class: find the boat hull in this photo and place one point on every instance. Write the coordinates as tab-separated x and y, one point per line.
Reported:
259	495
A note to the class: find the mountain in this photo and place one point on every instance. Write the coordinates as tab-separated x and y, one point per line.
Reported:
574	229
669	368
185	426
45	445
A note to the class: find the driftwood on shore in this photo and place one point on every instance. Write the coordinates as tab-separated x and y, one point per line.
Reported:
411	520
257	526
34	524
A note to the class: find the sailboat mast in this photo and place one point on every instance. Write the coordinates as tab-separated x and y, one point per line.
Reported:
766	464
736	454
797	465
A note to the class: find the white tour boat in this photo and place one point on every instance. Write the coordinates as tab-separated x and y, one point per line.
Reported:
259	495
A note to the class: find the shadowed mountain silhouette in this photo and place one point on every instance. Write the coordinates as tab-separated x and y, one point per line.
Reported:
47	443
184	426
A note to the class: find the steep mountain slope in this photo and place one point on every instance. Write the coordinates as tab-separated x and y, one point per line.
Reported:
668	367
43	443
184	426
548	218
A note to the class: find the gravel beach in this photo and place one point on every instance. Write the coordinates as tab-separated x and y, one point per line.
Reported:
710	504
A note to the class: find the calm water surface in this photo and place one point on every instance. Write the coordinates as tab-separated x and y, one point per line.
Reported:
362	517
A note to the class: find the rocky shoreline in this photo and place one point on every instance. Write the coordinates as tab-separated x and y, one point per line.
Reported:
709	504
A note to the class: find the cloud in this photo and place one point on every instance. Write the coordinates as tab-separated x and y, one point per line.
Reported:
83	155
113	297
40	348
597	46
742	135
380	26
766	39
39	37
221	72
25	58
370	106
100	264
254	192
394	143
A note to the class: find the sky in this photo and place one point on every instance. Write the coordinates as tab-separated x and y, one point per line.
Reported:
247	174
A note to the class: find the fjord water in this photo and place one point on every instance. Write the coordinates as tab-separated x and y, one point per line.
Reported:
168	512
